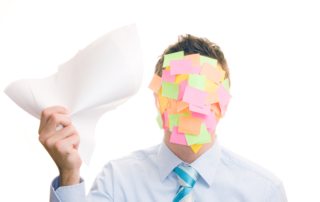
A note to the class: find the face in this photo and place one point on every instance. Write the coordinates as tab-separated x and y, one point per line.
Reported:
191	96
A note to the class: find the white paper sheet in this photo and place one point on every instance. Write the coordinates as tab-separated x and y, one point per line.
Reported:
97	79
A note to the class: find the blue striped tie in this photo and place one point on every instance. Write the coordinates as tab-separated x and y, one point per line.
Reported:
187	177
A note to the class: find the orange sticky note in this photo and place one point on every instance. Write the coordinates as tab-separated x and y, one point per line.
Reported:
163	103
189	124
172	106
155	83
212	73
196	147
181	106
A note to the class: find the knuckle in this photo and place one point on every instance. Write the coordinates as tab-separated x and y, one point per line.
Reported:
41	139
48	142
58	146
54	118
45	112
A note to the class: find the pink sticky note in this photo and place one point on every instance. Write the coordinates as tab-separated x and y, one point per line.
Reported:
201	116
211	122
194	96
177	138
182	88
183	67
224	98
202	109
166	76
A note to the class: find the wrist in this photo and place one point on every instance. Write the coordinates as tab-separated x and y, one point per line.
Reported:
69	177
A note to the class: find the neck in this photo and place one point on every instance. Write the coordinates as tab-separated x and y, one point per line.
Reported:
185	152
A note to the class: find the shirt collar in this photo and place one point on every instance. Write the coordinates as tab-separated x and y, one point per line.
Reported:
206	165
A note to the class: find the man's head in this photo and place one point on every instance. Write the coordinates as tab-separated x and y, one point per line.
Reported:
191	85
195	45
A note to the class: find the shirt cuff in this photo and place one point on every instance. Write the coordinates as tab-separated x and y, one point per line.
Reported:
72	193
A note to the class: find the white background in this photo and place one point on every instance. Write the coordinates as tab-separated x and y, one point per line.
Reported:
272	48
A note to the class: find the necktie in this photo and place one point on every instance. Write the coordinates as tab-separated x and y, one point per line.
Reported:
187	177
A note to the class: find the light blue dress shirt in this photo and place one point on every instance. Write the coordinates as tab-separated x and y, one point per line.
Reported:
146	176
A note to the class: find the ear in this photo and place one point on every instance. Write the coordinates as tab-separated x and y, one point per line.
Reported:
156	100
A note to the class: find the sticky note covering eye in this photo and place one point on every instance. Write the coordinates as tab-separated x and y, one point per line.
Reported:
192	95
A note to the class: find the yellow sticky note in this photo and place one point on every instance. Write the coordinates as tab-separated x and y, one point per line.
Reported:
181	77
196	147
210	86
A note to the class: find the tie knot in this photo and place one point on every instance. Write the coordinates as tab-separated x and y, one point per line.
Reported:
187	176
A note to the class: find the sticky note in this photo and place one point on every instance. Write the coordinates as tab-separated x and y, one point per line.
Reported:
212	98
181	77
159	121
173	120
172	56
210	86
170	90
194	96
181	106
182	88
205	59
224	98
183	67
162	103
172	106
167	77
202	138
197	81
196	147
195	58
189	124
212	73
177	138
203	109
155	83
198	115
211	122
226	84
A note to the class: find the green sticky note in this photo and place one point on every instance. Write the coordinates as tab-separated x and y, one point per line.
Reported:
170	90
173	120
159	120
226	84
205	59
197	81
203	137
172	56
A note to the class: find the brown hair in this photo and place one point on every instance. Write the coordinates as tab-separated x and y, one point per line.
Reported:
192	45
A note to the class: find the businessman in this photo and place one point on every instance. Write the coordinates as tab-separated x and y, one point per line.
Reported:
190	86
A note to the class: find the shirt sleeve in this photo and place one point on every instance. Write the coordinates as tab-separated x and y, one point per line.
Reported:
277	194
72	193
101	191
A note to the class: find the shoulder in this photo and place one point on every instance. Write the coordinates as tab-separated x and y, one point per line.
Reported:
247	170
135	160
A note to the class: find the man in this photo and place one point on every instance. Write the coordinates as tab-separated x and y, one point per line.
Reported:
191	85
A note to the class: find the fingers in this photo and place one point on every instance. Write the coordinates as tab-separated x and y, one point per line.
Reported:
67	145
51	117
50	141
